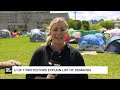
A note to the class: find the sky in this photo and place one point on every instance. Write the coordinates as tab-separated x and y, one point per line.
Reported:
88	15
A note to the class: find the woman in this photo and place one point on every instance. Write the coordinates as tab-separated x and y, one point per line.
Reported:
67	55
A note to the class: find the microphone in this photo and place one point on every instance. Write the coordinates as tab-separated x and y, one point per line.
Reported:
54	59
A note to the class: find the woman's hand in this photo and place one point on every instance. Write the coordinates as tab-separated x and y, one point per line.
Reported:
51	76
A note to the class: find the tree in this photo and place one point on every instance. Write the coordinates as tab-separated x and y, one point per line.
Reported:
92	27
71	23
85	24
79	24
82	27
75	24
101	20
107	24
95	26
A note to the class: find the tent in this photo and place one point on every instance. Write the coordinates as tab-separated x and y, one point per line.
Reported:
113	32
75	37
67	38
37	36
72	31
91	42
116	30
113	45
4	33
102	30
101	35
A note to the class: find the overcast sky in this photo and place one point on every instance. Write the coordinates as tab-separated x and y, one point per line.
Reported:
96	15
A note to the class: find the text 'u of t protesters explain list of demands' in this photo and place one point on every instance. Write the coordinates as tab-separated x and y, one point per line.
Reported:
60	70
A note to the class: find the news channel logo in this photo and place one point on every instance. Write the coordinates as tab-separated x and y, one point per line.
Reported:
8	70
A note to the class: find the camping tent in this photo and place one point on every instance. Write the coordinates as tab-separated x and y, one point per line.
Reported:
75	37
116	30
113	45
101	35
67	38
72	31
113	32
102	30
4	33
37	36
91	42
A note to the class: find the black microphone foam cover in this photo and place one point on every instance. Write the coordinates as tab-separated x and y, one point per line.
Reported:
55	57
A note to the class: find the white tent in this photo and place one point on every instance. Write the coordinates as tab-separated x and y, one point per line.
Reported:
113	32
116	30
36	31
7	32
37	36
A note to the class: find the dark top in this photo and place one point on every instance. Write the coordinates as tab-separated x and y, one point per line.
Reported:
69	56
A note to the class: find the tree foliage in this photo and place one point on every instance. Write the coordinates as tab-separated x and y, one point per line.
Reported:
85	24
75	24
107	24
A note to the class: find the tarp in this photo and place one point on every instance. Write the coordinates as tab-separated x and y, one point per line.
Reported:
91	39
83	32
101	35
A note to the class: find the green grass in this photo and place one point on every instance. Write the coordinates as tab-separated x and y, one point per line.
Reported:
21	49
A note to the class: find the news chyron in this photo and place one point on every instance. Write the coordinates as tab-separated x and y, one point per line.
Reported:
57	70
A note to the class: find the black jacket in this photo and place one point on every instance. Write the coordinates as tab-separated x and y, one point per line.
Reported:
69	56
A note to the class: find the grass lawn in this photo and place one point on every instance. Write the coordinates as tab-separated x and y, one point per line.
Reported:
21	49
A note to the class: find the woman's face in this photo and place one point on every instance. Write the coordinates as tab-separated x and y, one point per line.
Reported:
59	32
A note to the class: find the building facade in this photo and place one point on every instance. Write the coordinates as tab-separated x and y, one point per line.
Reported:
116	23
27	20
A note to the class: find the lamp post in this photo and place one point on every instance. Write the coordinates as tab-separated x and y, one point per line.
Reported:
75	14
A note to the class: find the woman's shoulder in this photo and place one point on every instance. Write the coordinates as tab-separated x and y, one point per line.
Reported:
41	48
73	50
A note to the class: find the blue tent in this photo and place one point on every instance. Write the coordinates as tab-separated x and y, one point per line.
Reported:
37	36
101	35
91	42
113	45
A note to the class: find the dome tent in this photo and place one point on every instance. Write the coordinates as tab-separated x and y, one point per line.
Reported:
4	33
113	45
91	42
37	36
